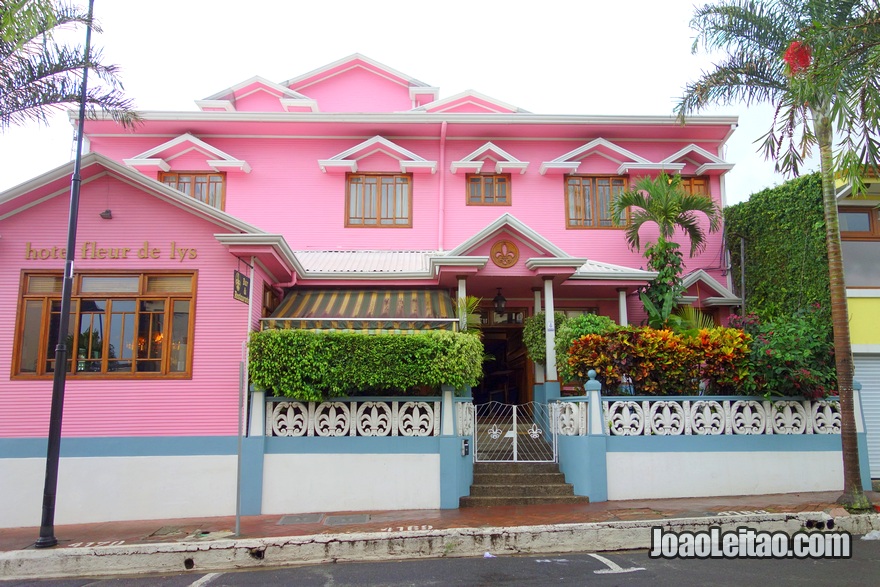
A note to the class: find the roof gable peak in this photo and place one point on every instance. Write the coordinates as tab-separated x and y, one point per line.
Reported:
504	161
470	101
215	158
347	160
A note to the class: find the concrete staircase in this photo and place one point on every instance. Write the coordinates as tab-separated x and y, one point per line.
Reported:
519	484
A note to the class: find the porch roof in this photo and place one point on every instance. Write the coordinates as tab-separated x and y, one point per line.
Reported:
371	310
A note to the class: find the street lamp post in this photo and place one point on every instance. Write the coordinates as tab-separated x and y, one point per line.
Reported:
47	525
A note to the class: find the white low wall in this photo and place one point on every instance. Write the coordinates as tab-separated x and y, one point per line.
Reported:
648	475
303	483
104	489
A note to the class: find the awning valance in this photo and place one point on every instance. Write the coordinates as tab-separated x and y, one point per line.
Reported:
365	310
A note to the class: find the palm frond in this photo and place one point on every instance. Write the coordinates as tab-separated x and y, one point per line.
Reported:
38	75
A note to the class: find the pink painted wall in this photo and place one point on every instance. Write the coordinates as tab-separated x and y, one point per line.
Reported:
358	90
205	405
287	193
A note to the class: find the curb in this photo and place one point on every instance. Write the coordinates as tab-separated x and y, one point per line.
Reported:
253	553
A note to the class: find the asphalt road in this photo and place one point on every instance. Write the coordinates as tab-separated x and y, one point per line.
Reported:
606	569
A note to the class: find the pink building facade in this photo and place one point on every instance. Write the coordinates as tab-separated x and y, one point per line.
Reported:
351	178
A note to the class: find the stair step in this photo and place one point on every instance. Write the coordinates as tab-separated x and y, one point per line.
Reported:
496	501
507	468
518	478
521	490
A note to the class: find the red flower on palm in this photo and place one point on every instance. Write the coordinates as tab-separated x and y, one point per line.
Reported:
798	57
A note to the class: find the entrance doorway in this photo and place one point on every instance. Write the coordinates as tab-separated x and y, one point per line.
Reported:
506	375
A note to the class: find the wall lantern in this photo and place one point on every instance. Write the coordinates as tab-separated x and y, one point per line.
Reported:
499	301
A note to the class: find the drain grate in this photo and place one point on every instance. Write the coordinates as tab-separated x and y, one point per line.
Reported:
341	520
300	519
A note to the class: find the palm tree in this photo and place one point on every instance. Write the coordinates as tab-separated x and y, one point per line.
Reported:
664	201
38	75
773	56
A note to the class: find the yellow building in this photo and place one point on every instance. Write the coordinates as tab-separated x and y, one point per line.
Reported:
860	242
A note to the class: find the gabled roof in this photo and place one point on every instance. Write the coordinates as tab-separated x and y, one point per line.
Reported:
725	297
347	160
216	159
470	101
355	60
290	100
510	223
365	264
706	162
57	183
607	271
569	162
504	161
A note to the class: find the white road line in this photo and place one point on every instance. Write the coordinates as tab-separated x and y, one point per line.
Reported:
613	567
205	580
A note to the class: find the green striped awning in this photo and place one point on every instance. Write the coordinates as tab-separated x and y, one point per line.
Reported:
373	311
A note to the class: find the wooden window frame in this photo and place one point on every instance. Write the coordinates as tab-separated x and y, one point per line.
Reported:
495	177
165	176
873	232
594	204
46	344
687	183
379	212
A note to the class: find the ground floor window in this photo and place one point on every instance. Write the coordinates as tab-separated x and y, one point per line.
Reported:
121	324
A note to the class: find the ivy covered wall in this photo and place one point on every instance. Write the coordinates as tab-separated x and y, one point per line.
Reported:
786	268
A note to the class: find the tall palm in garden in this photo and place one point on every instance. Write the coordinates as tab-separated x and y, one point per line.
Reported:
664	201
39	74
772	55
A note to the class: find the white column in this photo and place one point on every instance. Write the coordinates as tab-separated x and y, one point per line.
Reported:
462	294
539	368
549	331
621	305
447	409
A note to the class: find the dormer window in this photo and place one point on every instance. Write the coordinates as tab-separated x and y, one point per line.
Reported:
208	188
488	189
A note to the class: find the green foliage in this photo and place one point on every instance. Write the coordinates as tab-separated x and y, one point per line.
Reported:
693	319
470	307
786	264
571	330
664	202
533	334
792	355
312	366
662	362
40	74
659	296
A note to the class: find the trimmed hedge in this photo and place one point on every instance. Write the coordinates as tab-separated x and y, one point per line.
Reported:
312	366
786	257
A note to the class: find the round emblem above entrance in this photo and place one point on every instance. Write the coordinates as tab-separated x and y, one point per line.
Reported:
504	254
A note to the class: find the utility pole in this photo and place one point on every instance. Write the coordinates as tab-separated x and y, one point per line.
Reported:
53	452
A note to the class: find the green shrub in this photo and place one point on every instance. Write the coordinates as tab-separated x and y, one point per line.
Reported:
312	366
571	330
791	355
663	362
786	264
533	335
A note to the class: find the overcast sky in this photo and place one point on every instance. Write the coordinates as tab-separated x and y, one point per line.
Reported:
631	57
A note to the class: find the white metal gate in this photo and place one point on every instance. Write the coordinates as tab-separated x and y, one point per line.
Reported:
515	433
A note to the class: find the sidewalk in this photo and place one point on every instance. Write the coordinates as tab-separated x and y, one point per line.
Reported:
209	544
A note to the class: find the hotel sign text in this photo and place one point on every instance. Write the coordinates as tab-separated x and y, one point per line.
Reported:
93	250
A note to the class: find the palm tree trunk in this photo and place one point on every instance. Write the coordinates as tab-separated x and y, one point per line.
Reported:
853	497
